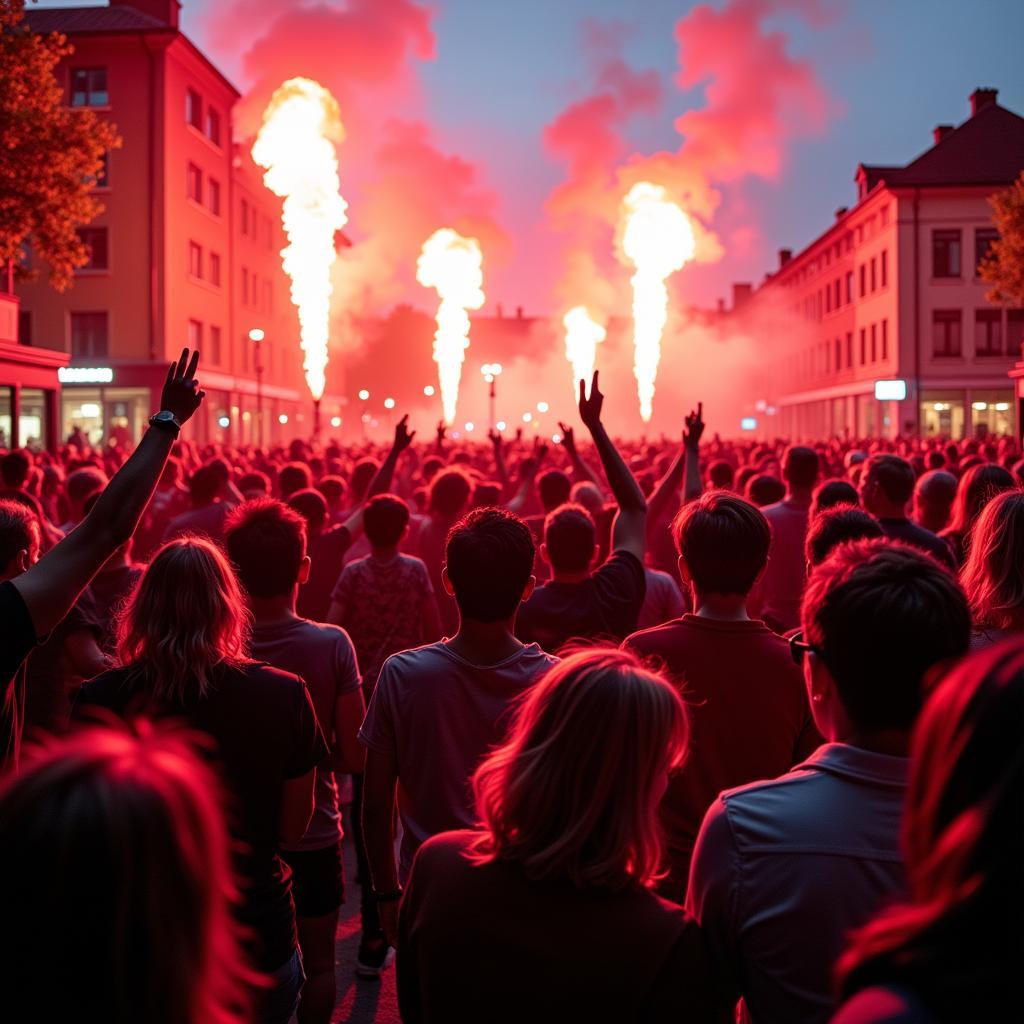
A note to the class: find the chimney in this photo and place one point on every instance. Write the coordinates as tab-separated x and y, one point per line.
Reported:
841	212
519	312
721	306
785	255
940	131
165	11
982	98
740	293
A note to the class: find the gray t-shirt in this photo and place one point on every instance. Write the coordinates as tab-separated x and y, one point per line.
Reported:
437	715
323	656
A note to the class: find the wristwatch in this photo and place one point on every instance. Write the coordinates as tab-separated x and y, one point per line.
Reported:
165	420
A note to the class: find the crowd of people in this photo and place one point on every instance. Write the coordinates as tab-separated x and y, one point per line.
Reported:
630	731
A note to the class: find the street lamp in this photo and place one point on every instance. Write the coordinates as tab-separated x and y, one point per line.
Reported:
491	372
256	336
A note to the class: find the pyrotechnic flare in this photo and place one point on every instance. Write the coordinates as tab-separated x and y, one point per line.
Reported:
453	265
657	240
582	336
301	125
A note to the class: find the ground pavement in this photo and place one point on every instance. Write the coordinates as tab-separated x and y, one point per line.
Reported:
360	1001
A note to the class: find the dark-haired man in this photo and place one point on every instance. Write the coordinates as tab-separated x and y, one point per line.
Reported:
579	603
778	597
749	713
208	512
438	709
266	542
838	525
886	487
784	870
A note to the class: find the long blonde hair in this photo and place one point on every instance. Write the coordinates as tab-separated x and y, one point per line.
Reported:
573	794
185	616
994	574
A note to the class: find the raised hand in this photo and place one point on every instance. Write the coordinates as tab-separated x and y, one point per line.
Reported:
495	438
568	438
403	436
590	408
182	394
694	427
540	451
442	431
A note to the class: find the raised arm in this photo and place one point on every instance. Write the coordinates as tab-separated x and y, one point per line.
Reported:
527	474
580	469
693	485
382	478
631	518
500	468
53	584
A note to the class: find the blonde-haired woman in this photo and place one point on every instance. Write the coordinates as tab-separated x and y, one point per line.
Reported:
182	641
546	912
993	577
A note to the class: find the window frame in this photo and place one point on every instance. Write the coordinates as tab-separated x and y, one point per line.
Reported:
89	70
947	237
949	318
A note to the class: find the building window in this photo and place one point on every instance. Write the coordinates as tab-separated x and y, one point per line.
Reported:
946	340
95	241
195	335
946	253
24	327
874	343
1015	331
874	281
215	346
245	287
213	196
245	217
849	349
89	87
195	259
194	109
863	346
828	299
213	125
988	332
195	183
983	239
215	269
884	267
89	335
102	179
885	340
863	280
849	287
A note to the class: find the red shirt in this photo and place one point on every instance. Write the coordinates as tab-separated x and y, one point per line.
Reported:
485	943
749	718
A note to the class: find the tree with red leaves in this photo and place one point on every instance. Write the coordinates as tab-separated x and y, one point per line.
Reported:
1003	266
51	153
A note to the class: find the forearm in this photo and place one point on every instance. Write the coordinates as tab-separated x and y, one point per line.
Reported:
693	485
582	471
623	484
381	481
518	503
667	489
378	838
119	508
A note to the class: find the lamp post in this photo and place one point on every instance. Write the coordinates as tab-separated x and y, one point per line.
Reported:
256	336
491	372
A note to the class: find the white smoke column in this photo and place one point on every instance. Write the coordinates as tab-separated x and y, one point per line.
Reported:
296	143
657	240
453	265
582	336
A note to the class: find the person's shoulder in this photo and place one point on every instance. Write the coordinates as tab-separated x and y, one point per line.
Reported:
104	688
882	1004
656	639
414	660
449	844
264	677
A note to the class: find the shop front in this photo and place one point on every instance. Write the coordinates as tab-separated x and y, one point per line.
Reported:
968	412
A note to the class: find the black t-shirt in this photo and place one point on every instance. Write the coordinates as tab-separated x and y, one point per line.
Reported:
605	606
920	538
327	555
17	638
265	730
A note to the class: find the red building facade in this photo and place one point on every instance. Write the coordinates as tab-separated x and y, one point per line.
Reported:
186	251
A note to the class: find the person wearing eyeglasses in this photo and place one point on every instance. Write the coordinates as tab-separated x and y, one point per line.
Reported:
784	870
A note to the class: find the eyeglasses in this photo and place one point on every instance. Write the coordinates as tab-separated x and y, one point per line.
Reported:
798	649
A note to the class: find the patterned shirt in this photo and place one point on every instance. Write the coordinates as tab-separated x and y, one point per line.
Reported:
382	604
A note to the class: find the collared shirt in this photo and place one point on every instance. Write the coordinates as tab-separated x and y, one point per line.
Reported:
784	870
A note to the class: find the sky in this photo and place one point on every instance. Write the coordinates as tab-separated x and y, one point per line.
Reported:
891	69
